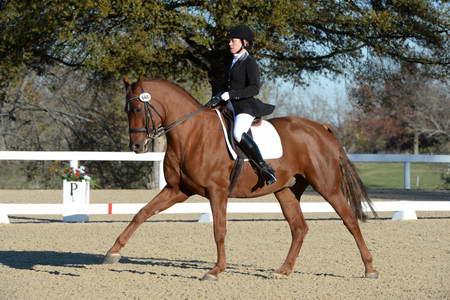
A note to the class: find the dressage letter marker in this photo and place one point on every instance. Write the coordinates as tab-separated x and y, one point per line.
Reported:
73	187
75	198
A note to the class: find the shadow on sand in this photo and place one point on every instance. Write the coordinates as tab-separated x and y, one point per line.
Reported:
29	260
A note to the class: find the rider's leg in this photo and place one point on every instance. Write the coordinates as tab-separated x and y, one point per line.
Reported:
242	124
246	143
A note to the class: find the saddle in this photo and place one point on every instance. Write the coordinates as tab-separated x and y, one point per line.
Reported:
261	131
229	126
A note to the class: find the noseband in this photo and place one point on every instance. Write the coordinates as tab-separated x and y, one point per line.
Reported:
154	132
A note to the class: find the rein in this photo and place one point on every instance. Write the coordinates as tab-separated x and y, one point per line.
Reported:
156	132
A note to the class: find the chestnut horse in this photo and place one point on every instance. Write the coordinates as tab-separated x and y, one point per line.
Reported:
197	162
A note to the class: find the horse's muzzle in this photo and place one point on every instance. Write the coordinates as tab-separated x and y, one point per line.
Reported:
139	147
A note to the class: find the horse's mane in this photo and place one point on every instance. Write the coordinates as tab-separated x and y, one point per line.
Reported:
174	87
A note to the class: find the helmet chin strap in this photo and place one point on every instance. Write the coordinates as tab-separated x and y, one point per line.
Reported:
242	46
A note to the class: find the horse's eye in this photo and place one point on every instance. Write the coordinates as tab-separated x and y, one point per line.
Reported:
136	110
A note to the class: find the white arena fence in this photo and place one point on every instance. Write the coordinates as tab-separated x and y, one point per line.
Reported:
406	159
403	210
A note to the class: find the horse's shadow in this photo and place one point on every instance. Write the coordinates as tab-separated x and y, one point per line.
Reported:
28	260
186	264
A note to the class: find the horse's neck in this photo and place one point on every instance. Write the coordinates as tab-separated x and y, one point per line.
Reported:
171	100
176	106
194	130
174	103
175	110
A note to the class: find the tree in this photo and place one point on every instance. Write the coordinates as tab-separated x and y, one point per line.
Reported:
65	111
400	109
185	40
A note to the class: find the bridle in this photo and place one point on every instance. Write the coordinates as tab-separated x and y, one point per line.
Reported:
154	132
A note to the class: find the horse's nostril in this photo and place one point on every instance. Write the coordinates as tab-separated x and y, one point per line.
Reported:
135	146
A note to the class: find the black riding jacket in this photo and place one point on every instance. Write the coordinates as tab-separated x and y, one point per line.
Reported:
243	84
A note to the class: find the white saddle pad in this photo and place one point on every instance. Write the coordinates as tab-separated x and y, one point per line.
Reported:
264	135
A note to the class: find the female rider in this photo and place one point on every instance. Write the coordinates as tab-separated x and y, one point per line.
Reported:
241	85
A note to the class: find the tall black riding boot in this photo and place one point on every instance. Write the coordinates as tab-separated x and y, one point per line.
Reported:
252	151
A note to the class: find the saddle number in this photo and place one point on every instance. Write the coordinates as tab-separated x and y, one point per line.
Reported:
145	97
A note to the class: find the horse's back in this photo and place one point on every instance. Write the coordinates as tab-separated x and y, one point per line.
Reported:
303	128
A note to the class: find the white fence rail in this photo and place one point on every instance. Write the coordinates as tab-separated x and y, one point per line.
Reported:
402	209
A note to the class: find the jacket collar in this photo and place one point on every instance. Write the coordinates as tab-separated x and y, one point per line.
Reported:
240	59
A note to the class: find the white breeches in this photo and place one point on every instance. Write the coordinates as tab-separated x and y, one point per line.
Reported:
242	124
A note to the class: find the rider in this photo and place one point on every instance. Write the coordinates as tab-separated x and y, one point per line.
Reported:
242	83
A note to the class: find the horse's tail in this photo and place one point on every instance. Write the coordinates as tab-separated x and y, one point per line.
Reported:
351	184
353	188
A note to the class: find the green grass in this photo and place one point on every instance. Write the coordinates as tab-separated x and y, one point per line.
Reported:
390	175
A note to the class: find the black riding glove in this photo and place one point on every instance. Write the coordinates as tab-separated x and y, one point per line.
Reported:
215	100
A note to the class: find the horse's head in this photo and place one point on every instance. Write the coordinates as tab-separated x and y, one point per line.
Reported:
143	118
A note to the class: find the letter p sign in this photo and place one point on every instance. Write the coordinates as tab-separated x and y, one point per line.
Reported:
73	187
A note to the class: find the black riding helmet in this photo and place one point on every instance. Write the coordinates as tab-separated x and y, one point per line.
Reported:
242	32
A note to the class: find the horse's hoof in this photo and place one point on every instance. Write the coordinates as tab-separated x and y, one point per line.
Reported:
276	275
373	275
111	258
209	277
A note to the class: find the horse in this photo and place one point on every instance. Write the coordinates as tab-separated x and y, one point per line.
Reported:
197	162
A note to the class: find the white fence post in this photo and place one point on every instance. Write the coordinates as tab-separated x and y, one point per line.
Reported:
407	175
405	213
162	179
4	218
205	218
74	164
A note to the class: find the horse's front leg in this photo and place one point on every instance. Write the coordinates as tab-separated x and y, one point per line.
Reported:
165	199
218	203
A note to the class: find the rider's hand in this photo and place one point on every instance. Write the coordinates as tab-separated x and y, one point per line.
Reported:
215	100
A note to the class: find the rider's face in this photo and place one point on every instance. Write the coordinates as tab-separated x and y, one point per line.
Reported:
235	45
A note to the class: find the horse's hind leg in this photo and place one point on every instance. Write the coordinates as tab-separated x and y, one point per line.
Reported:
165	199
342	208
294	216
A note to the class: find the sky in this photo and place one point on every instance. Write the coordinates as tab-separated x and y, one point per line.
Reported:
329	88
323	99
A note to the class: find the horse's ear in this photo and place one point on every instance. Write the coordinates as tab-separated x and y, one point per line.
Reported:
126	81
